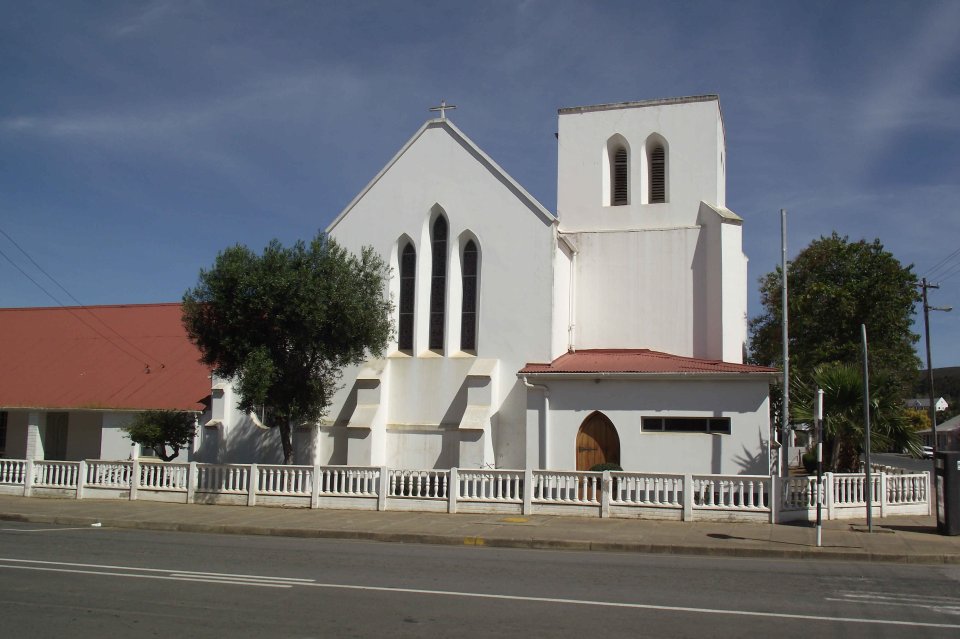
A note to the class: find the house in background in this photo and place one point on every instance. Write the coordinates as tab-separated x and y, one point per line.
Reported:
72	377
948	435
610	331
923	403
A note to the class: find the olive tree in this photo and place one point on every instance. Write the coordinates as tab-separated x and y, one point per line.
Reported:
283	324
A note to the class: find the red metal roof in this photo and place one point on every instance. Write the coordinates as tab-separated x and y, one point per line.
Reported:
131	357
638	361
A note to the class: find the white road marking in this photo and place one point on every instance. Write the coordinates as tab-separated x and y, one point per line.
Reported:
139	576
288	582
40	529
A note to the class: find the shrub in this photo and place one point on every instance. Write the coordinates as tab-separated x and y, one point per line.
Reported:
599	468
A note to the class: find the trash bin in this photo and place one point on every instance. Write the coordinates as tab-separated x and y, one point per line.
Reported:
947	480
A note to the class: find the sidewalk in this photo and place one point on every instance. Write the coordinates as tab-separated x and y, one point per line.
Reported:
896	539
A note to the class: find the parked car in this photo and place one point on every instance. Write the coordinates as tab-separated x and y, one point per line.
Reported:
926	452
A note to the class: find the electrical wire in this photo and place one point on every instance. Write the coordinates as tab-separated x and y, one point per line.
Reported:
76	315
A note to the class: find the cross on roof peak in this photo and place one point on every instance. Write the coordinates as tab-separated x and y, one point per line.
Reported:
443	108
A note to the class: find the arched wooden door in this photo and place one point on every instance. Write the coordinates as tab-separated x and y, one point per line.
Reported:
597	442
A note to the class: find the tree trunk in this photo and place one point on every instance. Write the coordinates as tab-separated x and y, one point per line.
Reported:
161	450
286	440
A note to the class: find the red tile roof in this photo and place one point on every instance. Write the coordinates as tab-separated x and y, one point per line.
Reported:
131	357
638	361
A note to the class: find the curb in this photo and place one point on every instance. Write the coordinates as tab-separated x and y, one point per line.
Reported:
530	543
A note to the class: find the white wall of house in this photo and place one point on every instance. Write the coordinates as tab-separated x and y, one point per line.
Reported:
693	132
423	394
114	443
745	401
667	276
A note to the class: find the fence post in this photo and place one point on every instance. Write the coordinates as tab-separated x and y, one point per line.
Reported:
688	497
774	496
828	493
134	478
81	477
928	486
252	480
315	487
28	479
606	485
192	478
883	495
453	490
528	492
383	489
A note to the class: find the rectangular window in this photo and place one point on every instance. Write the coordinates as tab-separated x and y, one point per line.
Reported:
3	432
687	424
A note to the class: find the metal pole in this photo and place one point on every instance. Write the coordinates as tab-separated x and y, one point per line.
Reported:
818	423
866	423
932	409
785	412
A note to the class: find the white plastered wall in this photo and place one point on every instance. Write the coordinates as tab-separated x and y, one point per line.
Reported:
625	403
692	131
440	172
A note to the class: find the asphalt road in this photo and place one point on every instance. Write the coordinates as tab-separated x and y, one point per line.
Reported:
97	582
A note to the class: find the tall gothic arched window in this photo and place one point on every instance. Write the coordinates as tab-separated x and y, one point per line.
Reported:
619	178
468	313
658	174
438	282
408	283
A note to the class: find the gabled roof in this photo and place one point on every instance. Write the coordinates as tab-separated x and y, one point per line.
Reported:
639	362
468	144
131	357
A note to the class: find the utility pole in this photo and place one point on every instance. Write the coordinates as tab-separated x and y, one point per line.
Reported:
784	461
924	285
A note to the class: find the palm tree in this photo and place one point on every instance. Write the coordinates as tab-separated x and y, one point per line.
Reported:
842	386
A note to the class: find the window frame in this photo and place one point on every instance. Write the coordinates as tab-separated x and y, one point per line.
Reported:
711	425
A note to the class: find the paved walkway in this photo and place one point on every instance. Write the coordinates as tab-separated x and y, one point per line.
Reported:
898	539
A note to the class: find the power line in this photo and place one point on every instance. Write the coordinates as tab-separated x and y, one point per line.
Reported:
71	311
936	266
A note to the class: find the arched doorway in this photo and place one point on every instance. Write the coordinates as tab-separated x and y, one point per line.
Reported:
597	442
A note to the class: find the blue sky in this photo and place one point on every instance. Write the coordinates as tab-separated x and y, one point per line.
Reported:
137	139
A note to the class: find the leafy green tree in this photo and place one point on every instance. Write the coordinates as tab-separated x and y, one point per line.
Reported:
285	323
842	384
836	285
159	429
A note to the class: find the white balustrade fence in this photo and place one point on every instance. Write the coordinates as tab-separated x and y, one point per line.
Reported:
606	494
108	474
13	471
56	474
746	492
647	489
420	484
498	486
164	476
844	495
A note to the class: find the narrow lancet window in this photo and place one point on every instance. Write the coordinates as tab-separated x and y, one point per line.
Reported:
438	283
408	279
658	174
619	192
468	315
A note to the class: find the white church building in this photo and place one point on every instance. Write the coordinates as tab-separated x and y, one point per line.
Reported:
609	331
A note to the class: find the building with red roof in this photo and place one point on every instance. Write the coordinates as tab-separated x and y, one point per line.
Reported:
72	377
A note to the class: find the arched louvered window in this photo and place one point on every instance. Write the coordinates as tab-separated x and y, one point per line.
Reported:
468	313
408	279
619	192
438	283
658	174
